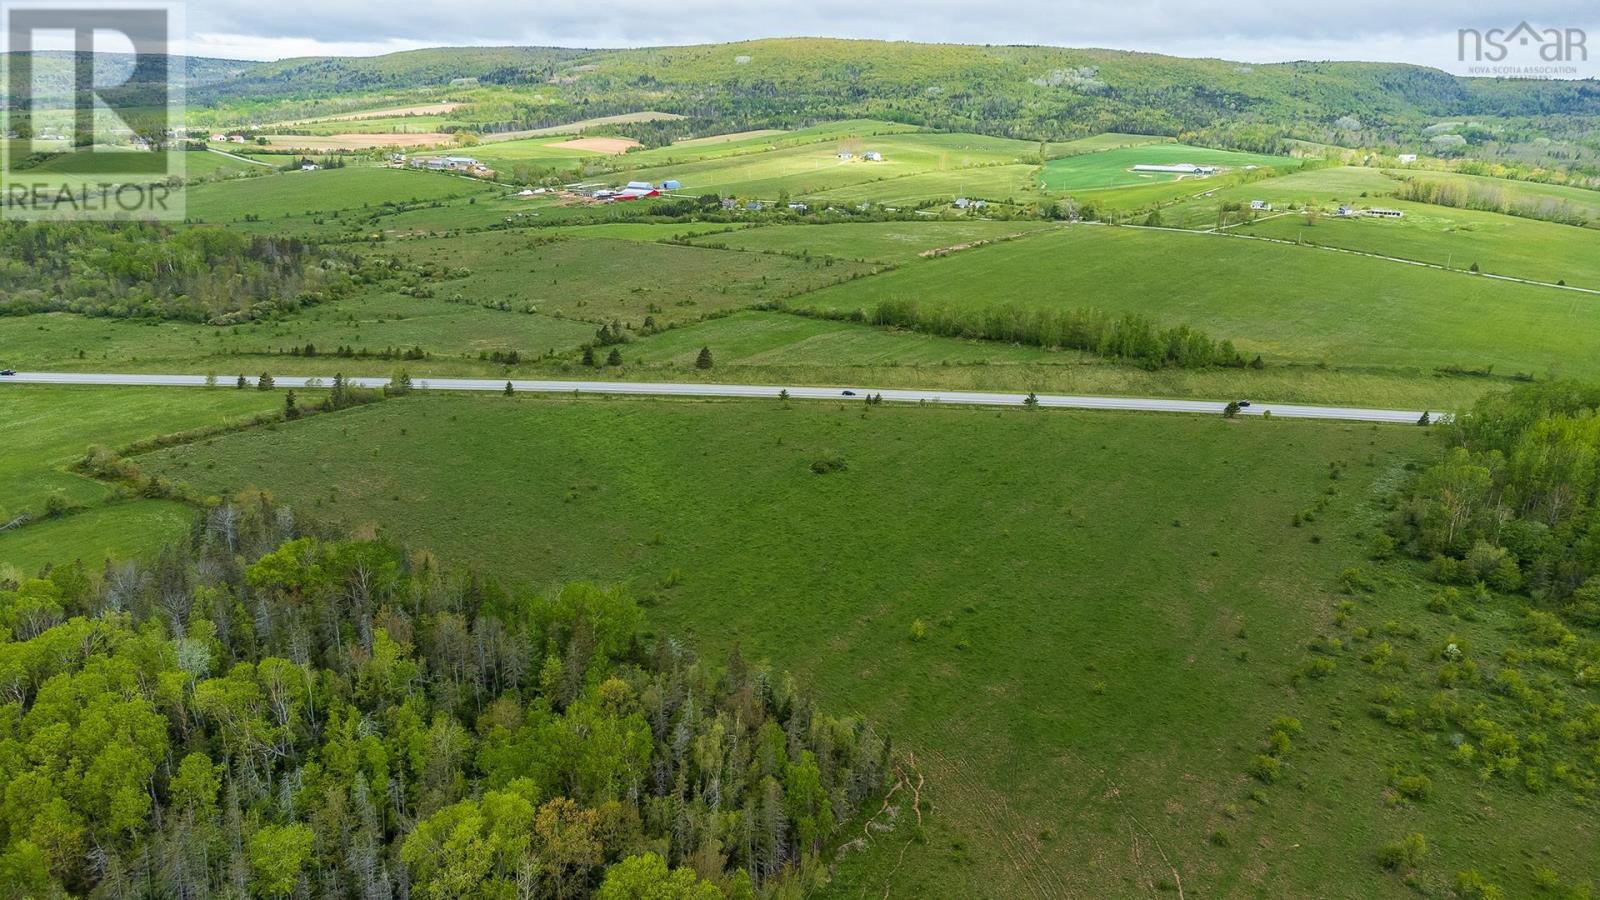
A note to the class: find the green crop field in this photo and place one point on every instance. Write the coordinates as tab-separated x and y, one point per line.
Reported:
1113	168
1049	662
877	241
1288	303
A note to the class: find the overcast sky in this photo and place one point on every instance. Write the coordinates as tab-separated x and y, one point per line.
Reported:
1417	31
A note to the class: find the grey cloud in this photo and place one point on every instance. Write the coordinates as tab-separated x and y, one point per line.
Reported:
1236	30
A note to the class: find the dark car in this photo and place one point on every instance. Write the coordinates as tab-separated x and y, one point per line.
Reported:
1244	404
849	393
8	371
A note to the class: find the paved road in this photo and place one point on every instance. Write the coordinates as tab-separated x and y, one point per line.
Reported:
652	388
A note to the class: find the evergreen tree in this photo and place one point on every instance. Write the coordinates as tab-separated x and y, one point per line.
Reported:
703	361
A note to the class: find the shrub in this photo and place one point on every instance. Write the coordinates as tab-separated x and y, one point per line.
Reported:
918	630
1417	787
1265	768
1473	886
1406	852
827	464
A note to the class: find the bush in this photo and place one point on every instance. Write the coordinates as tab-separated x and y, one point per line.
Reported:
1471	885
827	464
1406	852
918	630
1265	768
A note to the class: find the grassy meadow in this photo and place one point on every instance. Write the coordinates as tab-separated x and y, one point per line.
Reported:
1288	303
48	428
600	279
288	194
1456	238
886	242
1071	712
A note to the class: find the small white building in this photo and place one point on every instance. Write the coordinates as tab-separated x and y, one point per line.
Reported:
309	167
846	155
1260	206
872	156
1407	159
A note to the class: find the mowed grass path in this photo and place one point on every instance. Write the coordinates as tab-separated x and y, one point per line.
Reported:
1083	579
1295	304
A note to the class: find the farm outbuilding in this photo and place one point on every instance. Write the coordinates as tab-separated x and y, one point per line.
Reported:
671	184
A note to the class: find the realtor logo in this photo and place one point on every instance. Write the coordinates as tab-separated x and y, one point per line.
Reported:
90	125
1523	45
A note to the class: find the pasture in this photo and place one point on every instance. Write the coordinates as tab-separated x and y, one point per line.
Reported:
600	279
1455	238
889	242
288	194
1042	701
1290	304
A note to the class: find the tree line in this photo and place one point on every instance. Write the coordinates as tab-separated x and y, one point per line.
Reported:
1129	337
267	710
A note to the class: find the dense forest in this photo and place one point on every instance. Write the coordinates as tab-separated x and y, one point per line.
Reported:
143	270
266	711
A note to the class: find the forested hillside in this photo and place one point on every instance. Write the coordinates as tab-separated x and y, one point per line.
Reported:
1031	92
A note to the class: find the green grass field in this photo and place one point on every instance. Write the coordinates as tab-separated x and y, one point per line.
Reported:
1002	184
1072	711
372	321
271	197
814	168
760	142
1324	189
48	428
1111	140
536	151
598	279
888	242
1288	303
1457	238
1113	168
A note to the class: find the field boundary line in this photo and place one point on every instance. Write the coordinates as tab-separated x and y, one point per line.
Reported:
1214	232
